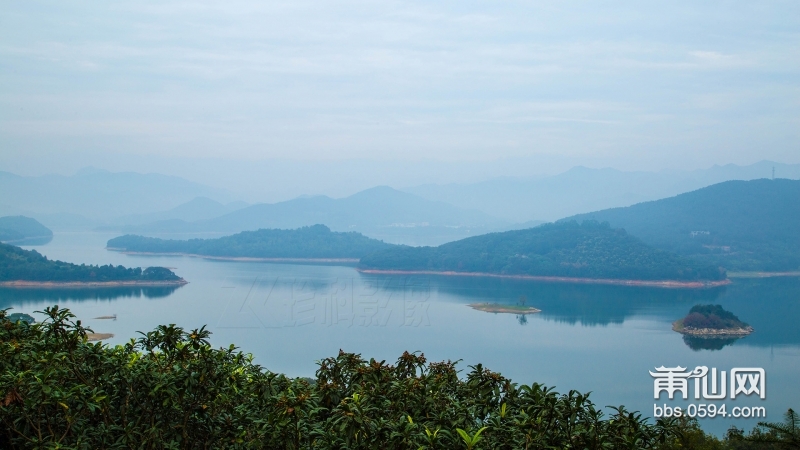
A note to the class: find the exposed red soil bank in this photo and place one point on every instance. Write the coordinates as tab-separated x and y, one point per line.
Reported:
649	283
241	258
89	284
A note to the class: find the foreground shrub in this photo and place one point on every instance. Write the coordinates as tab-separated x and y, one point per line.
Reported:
170	390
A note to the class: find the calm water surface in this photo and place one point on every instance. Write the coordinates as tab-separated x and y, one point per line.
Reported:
602	339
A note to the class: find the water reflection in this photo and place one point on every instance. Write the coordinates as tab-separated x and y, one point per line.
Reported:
20	297
770	305
704	343
573	304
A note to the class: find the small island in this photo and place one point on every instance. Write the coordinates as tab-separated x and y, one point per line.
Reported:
313	244
28	268
93	337
711	321
504	309
22	317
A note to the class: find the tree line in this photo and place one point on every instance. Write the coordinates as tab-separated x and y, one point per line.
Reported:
566	249
29	265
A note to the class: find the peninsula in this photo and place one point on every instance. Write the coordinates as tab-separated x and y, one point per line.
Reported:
21	229
314	243
28	268
711	321
570	252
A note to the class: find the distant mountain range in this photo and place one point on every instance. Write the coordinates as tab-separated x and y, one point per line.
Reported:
380	212
741	225
199	208
92	196
696	236
424	215
580	189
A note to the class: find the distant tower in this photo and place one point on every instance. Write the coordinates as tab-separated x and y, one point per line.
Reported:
773	172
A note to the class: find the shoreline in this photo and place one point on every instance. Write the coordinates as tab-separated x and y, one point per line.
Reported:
95	337
239	258
763	274
27	239
89	284
504	309
671	284
710	333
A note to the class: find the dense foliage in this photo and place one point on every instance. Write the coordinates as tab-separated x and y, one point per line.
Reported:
740	225
316	241
17	264
170	390
17	228
21	316
565	249
712	316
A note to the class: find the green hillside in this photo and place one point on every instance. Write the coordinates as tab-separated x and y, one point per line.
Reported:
740	225
316	241
566	249
17	264
18	228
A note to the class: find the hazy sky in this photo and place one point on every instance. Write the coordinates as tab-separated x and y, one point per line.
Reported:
413	90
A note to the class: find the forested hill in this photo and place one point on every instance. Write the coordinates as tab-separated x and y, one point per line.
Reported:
569	249
17	264
19	228
741	225
316	241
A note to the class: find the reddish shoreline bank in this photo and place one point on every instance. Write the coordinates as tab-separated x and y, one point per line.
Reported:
655	283
90	284
762	274
240	258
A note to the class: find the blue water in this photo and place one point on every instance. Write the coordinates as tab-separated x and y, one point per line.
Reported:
602	339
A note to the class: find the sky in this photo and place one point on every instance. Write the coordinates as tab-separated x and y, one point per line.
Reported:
328	97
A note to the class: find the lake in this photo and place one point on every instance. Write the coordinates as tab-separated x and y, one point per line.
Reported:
602	339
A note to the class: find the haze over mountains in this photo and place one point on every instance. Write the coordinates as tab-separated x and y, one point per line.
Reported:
422	215
741	225
198	208
94	196
380	212
581	189
21	230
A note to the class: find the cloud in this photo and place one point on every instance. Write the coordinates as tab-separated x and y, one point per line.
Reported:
399	79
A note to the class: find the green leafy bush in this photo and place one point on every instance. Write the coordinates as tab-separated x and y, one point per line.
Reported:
170	389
